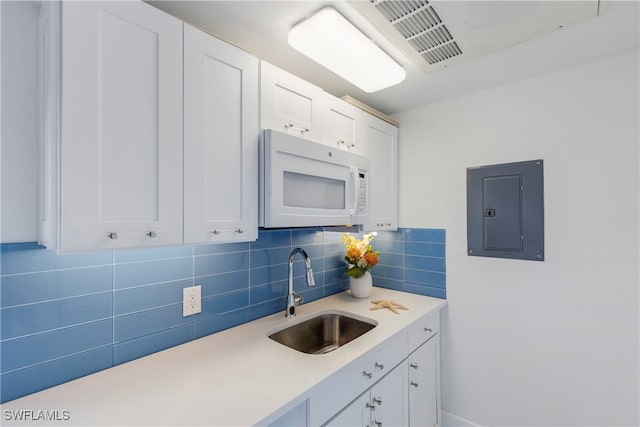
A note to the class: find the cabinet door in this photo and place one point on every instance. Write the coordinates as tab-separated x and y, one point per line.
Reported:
290	104
358	413
296	417
381	142
220	140
121	157
343	128
423	385
389	398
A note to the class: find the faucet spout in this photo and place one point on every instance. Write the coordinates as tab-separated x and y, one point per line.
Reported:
293	299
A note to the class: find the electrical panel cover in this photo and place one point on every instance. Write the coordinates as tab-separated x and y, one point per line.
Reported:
505	210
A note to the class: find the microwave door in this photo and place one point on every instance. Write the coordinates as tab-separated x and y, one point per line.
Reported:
309	184
305	191
314	194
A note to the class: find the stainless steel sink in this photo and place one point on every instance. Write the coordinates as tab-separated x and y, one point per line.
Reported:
323	333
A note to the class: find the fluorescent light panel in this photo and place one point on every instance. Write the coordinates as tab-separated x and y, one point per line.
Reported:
333	42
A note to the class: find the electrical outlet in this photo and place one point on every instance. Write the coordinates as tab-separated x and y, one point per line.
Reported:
191	300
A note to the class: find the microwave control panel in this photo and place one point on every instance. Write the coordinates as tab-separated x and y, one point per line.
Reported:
362	203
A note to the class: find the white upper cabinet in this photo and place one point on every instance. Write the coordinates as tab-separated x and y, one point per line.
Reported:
290	104
221	132
114	175
343	125
120	145
381	146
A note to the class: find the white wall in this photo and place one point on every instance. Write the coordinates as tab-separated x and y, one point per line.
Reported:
19	132
525	342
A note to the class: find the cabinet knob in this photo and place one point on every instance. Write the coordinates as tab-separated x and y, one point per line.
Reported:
112	236
151	234
378	423
215	231
377	400
414	384
367	374
240	230
414	365
370	406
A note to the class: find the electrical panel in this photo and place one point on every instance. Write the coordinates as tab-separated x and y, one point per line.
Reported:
505	210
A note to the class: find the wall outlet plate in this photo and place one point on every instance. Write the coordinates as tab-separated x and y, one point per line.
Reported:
191	300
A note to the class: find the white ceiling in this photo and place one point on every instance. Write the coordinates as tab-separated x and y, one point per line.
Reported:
261	28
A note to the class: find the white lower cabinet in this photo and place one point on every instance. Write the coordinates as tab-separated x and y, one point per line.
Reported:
384	404
397	383
358	413
423	390
333	394
295	417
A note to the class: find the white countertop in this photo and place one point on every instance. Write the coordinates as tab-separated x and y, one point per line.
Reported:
235	377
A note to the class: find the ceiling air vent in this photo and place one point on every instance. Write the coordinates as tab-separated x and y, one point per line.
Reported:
421	26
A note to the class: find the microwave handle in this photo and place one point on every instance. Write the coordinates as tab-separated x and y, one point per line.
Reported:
356	190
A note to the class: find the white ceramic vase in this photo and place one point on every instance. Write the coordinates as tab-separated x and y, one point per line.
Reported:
361	287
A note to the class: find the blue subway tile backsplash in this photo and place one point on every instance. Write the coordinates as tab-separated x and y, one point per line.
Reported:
66	316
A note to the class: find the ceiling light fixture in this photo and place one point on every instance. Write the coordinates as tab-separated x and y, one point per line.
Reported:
333	42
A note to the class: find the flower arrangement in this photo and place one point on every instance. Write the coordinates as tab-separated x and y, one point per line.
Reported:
360	254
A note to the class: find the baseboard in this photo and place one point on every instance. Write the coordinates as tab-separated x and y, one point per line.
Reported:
450	420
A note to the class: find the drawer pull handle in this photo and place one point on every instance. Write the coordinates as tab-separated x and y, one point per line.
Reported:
377	400
151	234
379	365
414	384
215	231
378	423
292	126
414	365
112	236
367	374
349	146
428	330
240	230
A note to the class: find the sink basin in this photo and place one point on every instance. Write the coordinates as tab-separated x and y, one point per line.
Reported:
324	332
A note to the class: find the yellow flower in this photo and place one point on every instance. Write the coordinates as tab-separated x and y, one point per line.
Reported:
360	255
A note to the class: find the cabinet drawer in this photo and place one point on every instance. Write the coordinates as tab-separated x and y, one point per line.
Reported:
334	393
423	329
383	358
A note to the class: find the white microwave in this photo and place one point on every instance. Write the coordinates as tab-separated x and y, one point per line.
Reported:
303	183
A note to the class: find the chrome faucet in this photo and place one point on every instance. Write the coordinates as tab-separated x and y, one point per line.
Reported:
293	299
